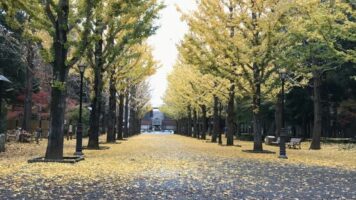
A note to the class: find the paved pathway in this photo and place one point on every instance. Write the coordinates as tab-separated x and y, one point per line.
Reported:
204	176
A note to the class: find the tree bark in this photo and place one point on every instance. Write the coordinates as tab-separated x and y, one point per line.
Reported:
132	120
195	124
216	121
103	124
112	110
137	124
126	121
205	122
189	122
179	127
257	142
27	115
2	118
98	87
60	72
315	144
95	116
220	123
58	94
230	116
257	79
183	125
186	124
121	116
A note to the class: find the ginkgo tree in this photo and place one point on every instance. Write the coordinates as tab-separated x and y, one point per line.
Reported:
116	24
240	39
140	105
212	86
136	65
23	45
63	28
203	32
144	67
68	30
321	34
249	42
190	95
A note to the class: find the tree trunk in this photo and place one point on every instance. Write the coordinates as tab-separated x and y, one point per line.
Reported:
121	116
216	121
257	79
112	111
189	123
60	72
27	115
230	116
132	120
2	118
95	116
183	126
205	122
195	124
178	128
230	108
58	94
126	121
315	144
220	123
187	129
98	87
103	124
137	124
257	142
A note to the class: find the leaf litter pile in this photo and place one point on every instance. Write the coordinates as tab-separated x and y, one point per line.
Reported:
177	167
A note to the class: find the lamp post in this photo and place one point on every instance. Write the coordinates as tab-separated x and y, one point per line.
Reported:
283	132
78	149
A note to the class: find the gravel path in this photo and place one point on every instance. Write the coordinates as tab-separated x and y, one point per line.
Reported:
212	178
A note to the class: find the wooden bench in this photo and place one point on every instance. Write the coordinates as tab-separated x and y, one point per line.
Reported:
19	136
12	135
294	143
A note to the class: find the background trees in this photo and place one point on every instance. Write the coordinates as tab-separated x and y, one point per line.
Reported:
117	26
248	42
320	31
57	26
106	35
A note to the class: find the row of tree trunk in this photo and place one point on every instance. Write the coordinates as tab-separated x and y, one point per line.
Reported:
121	119
198	126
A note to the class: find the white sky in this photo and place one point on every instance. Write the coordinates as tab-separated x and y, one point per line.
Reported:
164	42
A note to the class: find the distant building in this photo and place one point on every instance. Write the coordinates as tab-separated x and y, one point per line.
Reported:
155	120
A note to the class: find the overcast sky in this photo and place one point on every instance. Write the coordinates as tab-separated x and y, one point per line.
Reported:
171	31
